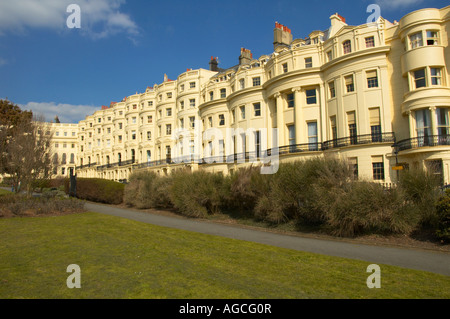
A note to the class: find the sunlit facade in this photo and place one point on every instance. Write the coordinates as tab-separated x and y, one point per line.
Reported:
374	95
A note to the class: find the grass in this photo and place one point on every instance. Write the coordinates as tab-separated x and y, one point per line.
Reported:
4	192
120	258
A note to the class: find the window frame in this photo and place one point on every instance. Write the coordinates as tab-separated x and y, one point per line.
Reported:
314	97
257	111
437	77
435	39
372	82
332	89
221	119
347	47
378	173
416	42
308	63
370	42
242	112
419	79
349	84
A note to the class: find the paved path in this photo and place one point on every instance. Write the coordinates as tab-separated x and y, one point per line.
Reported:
437	262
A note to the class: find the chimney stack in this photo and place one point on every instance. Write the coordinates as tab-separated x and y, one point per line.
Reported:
245	57
281	35
214	64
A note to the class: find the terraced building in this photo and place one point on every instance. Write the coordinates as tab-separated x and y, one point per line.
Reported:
375	95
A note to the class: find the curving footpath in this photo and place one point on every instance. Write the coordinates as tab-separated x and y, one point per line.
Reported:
432	261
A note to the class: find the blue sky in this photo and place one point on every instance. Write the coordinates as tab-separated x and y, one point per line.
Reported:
124	46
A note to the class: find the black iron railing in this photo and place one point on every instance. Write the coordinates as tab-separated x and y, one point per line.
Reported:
245	157
86	166
117	164
359	140
422	141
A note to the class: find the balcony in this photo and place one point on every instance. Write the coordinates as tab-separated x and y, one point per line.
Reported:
117	164
422	141
86	166
359	140
188	159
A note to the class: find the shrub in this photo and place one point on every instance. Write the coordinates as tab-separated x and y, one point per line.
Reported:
199	193
18	205
443	214
246	187
422	189
100	190
161	192
292	195
147	190
138	192
361	207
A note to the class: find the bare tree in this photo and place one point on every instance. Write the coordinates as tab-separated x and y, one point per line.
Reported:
25	152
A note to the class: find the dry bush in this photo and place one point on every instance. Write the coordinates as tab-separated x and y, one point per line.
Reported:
364	207
147	190
19	205
100	190
198	194
422	189
247	186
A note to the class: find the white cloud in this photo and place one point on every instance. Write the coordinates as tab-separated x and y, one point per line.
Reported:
396	4
67	113
99	18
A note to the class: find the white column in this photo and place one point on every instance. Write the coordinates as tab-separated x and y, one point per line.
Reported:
298	115
433	120
271	109
280	119
411	124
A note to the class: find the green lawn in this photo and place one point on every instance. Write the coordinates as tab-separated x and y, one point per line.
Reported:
120	258
4	192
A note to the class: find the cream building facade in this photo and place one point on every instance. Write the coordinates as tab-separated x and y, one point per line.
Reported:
64	147
375	95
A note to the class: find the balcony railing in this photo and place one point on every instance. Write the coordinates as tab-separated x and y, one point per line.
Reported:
93	165
422	141
359	140
246	157
290	149
117	164
188	159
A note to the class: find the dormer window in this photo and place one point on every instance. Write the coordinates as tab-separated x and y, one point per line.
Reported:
370	42
308	63
347	46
